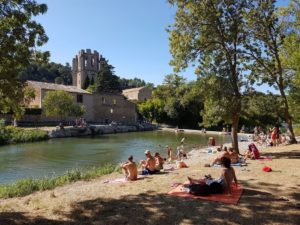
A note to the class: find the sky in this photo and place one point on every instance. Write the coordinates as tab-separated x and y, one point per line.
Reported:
131	34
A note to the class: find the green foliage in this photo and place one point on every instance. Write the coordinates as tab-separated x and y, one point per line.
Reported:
28	186
19	36
268	30
297	131
106	80
47	72
133	83
175	102
12	134
61	104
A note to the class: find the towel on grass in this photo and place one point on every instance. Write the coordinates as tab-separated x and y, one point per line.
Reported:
224	198
121	180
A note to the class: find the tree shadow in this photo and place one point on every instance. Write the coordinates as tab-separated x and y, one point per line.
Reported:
293	154
255	207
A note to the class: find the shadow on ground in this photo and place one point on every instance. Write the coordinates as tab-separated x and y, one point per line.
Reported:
292	154
255	207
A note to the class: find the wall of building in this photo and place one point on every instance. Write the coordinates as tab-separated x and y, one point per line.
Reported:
144	94
113	107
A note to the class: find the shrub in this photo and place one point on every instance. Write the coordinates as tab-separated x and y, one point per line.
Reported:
10	134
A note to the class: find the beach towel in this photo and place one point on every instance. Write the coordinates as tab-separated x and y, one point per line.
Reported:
121	180
232	164
224	198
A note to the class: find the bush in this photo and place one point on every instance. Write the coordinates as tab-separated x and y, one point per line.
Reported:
29	185
297	131
12	134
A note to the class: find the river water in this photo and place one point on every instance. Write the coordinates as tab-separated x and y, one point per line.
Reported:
56	156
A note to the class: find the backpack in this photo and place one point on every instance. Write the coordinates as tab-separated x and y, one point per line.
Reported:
199	189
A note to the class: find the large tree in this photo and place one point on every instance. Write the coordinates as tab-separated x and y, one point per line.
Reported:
268	34
19	35
209	33
106	80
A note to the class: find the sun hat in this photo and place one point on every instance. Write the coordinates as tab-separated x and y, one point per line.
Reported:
147	152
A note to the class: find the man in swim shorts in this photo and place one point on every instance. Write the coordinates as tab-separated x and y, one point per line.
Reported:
148	165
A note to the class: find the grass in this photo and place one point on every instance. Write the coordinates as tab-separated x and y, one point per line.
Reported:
27	186
10	134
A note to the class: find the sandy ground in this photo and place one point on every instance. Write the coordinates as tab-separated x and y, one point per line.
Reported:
268	198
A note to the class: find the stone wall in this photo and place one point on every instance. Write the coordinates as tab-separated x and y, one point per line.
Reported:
113	107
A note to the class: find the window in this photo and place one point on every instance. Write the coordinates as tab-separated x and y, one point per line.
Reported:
103	100
111	111
85	63
79	98
114	101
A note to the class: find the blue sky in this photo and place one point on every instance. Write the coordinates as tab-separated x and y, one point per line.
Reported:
130	34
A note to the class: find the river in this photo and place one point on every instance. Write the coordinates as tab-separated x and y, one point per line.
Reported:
56	156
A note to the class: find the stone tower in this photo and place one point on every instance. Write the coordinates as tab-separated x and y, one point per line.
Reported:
85	64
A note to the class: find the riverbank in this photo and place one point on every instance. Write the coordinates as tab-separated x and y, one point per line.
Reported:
268	198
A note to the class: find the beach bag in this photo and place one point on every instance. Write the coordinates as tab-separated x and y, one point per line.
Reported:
199	189
215	188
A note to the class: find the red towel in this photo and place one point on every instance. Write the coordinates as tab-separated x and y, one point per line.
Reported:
224	198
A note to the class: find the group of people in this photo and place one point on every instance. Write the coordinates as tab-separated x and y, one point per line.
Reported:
150	165
272	138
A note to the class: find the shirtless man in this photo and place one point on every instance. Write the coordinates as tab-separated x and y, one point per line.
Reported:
148	165
234	157
159	161
223	153
130	169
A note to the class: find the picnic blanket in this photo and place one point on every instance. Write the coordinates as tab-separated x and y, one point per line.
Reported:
224	198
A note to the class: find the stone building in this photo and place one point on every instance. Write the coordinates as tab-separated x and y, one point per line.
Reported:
138	94
85	64
100	107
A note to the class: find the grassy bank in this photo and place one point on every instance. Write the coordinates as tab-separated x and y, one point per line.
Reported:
10	134
27	186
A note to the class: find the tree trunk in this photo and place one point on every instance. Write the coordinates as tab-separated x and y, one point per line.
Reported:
234	131
288	117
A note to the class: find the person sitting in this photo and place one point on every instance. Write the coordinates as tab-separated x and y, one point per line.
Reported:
159	161
130	169
181	154
148	165
223	153
234	157
224	182
252	152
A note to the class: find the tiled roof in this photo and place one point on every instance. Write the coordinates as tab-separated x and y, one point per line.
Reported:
134	89
57	87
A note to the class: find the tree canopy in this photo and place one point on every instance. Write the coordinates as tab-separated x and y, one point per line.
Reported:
61	104
212	34
19	35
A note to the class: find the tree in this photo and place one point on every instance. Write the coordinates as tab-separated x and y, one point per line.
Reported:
268	34
106	80
58	80
61	104
209	33
86	83
19	35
